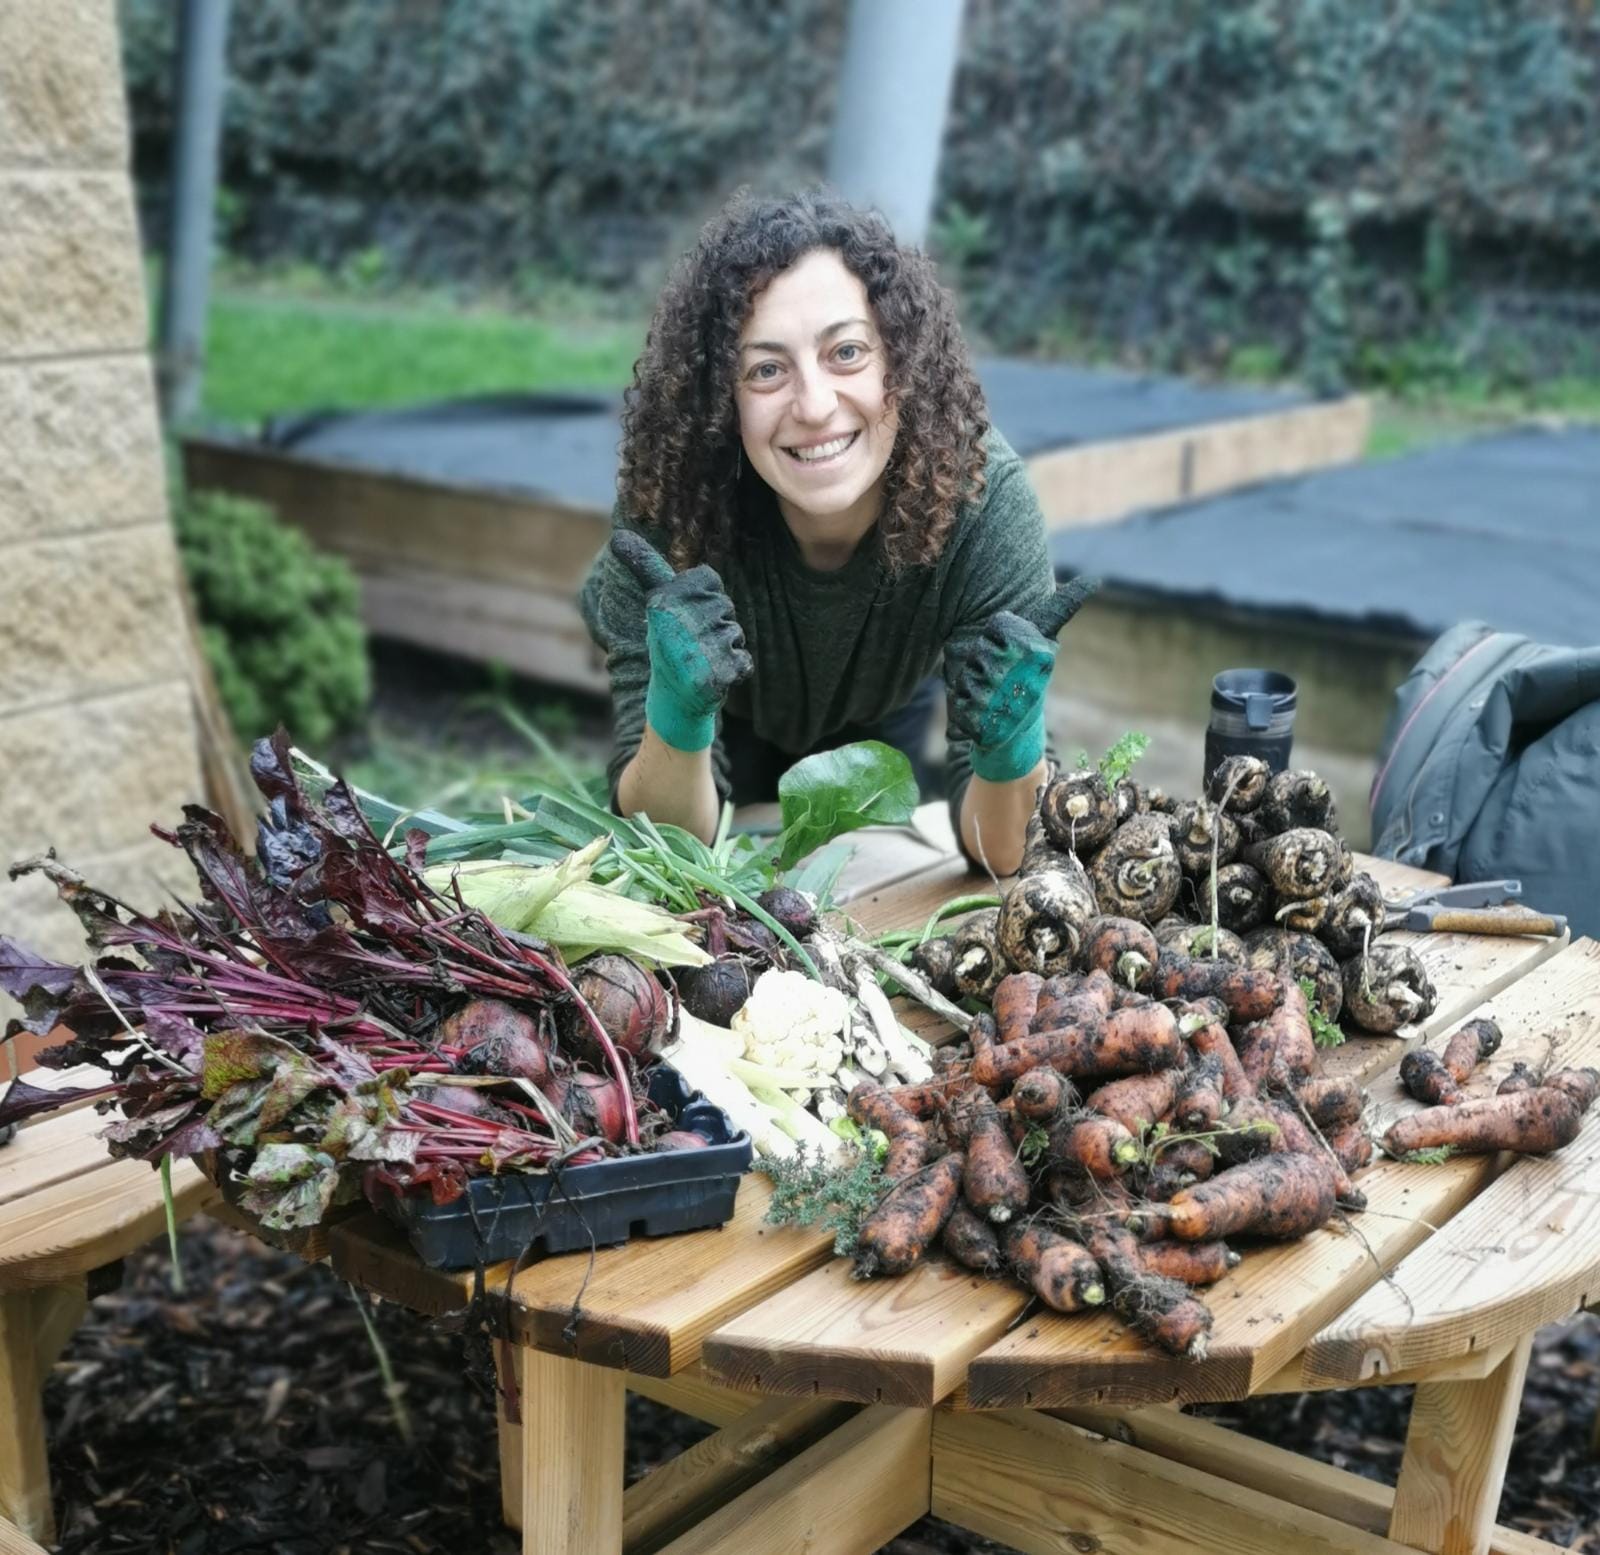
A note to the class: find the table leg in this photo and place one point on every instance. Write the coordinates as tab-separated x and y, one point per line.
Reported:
1455	1459
572	1435
34	1325
509	1434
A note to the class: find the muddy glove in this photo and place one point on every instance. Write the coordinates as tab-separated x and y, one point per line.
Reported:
697	652
997	686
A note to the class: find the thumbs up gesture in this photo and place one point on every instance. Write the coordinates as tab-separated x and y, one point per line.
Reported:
997	682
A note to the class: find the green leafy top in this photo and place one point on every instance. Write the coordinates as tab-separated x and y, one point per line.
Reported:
808	1190
1118	762
1324	1032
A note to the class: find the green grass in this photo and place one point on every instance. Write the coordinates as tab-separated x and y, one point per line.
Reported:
269	354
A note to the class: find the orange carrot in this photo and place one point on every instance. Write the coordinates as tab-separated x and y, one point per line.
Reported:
1352	1144
1581	1085
1531	1122
1477	1040
1200	1100
1280	1048
1427	1078
1157	1308
1330	1100
1188	1156
1248	994
872	1106
1100	1146
1059	1272
1123	948
1015	1002
1518	1078
907	1219
1195	1263
1282	1195
1134	1041
993	1182
1040	1094
971	1241
1138	1101
1208	1036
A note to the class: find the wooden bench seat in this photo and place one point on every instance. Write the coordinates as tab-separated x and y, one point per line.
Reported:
66	1209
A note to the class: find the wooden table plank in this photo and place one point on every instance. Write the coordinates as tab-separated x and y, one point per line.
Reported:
644	1306
904	1341
51	1151
78	1225
1527	1250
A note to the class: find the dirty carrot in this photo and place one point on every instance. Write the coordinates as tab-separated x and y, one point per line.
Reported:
913	1212
1059	1272
1532	1122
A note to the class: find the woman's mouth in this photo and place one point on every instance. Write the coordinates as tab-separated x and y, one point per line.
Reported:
830	452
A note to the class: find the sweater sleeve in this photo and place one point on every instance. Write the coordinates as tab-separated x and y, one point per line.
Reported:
612	605
1001	562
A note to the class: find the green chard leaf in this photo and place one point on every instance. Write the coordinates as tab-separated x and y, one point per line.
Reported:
837	791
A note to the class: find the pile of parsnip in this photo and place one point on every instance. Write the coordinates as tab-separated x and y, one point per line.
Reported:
1143	1087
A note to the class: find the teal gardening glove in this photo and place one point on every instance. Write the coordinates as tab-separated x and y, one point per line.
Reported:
998	684
697	652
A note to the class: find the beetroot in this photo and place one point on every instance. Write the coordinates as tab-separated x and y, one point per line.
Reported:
682	1139
629	1003
593	1105
499	1039
793	909
715	993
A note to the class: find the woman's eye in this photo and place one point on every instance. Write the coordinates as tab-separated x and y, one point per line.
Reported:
849	354
764	372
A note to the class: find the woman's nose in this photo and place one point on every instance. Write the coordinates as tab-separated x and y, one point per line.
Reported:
814	397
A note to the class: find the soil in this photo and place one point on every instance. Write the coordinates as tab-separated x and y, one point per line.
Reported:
250	1414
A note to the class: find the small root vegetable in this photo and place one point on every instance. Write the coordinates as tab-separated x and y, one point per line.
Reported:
1388	988
1530	1122
1156	1184
1296	955
993	1181
1355	917
972	1241
1298	864
1248	994
1330	1100
629	1003
1303	917
1155	1307
1238	783
907	1219
935	959
1078	812
594	1106
1123	948
1102	1147
1040	1094
500	1039
1203	835
1015	1003
1194	1263
1468	1047
1130	800
1042	921
1581	1085
795	910
1200	1101
717	992
1204	1024
1061	1274
1188	1156
1352	1145
979	963
1136	874
1280	1049
1244	898
1296	800
1426	1079
1137	1102
873	1106
1288	1131
1282	1195
681	1139
1518	1078
1039	853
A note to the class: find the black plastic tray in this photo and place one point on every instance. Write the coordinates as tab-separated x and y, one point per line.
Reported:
590	1206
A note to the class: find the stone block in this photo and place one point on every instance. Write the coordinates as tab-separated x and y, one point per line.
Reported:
61	95
83	446
70	277
89	778
89	615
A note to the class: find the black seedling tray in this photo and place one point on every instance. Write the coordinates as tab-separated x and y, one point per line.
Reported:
597	1205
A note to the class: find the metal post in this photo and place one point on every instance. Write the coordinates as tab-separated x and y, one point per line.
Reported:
196	140
894	90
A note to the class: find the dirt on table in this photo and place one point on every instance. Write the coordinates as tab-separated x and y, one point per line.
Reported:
250	1415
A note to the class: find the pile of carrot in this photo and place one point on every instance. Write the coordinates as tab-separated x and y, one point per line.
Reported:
1137	1093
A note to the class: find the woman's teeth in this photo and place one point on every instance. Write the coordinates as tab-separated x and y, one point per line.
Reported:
822	450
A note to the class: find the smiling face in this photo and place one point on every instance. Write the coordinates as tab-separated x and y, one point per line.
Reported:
814	416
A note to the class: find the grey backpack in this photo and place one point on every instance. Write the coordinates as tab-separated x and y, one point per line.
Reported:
1490	768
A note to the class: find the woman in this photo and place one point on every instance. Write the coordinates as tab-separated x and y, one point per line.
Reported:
806	440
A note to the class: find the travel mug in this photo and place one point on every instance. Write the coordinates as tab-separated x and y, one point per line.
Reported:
1252	714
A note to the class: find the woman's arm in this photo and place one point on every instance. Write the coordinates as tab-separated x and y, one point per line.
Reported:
672	785
993	816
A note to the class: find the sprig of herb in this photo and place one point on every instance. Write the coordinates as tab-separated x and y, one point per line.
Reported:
1118	762
1435	1157
1034	1144
1324	1032
809	1190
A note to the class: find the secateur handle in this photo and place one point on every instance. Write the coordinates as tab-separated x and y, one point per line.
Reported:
1473	907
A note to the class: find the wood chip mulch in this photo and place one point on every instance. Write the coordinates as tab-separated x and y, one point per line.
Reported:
250	1415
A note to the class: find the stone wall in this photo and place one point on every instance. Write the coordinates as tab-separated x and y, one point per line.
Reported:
96	730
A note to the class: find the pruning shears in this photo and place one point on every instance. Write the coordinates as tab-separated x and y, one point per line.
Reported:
1473	907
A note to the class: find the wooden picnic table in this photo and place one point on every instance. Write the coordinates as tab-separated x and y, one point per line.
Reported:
845	1411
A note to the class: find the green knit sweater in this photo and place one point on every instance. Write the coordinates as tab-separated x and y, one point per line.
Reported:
833	649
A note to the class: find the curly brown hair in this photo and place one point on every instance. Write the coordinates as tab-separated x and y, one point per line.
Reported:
680	470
